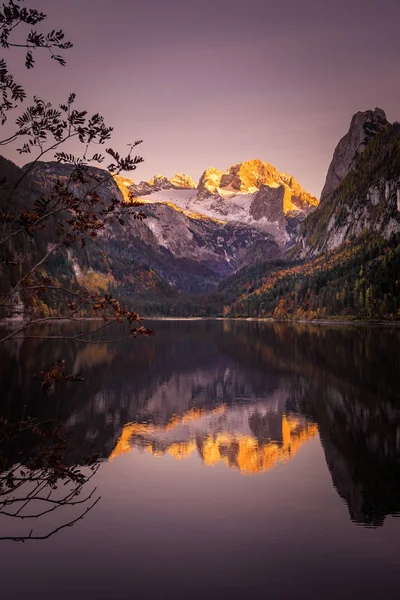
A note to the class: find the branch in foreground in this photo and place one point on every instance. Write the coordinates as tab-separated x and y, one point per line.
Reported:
30	536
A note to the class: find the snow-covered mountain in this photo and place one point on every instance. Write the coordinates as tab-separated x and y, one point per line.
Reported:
251	193
195	234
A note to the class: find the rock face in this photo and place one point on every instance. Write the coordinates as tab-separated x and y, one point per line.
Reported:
268	203
191	254
249	177
362	191
210	181
159	182
246	176
363	126
180	180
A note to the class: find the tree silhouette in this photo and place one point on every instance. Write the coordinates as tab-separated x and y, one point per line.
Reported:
73	210
50	222
40	482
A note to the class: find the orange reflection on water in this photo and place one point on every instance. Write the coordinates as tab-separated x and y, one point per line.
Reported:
235	449
246	454
131	430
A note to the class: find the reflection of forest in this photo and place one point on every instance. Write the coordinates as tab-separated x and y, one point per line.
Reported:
360	435
255	376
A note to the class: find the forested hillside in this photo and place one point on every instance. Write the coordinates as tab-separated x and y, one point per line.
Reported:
346	262
360	279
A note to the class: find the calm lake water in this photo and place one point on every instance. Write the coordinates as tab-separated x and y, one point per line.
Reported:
238	459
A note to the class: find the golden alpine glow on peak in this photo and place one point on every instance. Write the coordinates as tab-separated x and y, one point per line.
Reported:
124	184
180	180
157	178
249	176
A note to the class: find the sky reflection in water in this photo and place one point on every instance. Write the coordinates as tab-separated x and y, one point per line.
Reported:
310	412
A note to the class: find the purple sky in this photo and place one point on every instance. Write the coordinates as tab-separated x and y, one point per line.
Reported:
214	82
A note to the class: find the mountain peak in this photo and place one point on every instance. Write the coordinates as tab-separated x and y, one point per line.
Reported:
363	127
252	176
246	177
159	181
380	112
180	180
249	175
210	180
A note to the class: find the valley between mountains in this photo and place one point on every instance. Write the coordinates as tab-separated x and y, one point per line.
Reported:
249	241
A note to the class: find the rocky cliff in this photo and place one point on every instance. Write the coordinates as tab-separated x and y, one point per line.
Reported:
160	182
363	126
346	261
362	190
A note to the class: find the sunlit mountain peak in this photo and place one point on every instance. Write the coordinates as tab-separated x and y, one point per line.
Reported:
252	176
180	180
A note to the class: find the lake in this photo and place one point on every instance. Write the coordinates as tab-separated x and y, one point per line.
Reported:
237	459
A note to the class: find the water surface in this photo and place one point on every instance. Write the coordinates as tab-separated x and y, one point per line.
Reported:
237	459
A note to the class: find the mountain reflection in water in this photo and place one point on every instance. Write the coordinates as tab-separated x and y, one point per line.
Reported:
244	394
236	459
252	439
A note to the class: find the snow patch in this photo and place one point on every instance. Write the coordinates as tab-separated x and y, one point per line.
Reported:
226	206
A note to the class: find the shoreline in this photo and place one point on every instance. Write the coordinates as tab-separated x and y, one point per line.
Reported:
355	322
